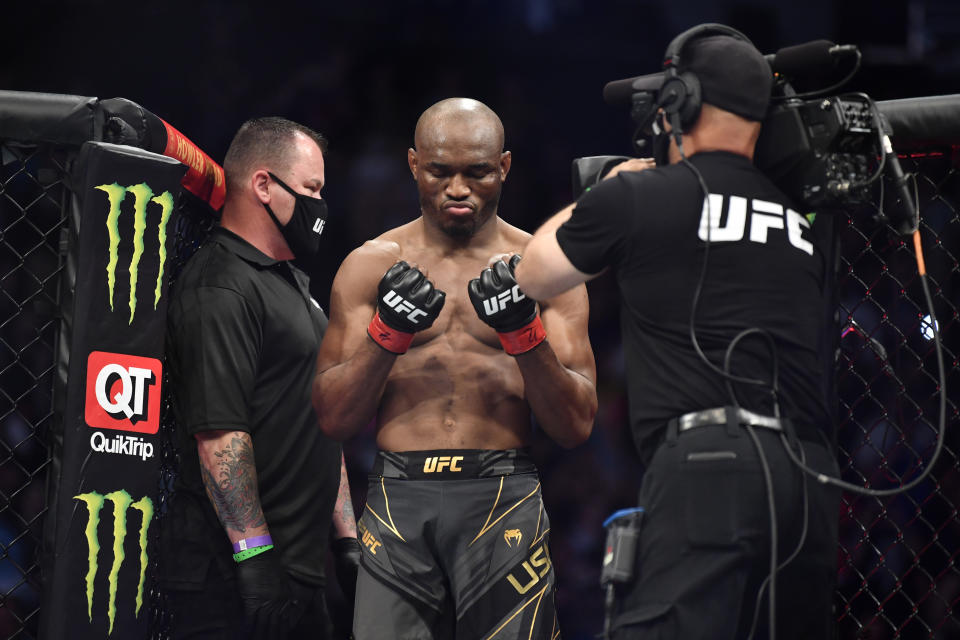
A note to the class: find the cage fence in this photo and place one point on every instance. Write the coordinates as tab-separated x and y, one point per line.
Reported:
897	572
33	200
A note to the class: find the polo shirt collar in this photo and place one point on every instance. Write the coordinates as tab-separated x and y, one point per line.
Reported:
237	245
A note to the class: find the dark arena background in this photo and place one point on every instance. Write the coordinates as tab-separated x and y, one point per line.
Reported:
361	73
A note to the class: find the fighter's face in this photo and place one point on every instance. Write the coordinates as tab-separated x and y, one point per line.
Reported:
459	172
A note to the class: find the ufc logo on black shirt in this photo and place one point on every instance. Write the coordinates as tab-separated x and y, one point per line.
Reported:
764	216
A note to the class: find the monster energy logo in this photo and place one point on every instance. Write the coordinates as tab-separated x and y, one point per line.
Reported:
142	195
121	503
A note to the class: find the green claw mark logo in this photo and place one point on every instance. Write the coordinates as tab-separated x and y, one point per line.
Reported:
142	195
121	503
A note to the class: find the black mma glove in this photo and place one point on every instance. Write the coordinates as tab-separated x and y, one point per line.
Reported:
346	560
499	302
269	606
406	303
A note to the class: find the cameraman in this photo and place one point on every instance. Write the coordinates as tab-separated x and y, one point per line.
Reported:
694	271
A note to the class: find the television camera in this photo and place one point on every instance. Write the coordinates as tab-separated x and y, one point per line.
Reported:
824	151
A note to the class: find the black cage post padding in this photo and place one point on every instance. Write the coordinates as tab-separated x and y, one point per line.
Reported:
102	500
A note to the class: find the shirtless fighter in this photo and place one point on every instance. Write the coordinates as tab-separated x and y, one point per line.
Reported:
452	358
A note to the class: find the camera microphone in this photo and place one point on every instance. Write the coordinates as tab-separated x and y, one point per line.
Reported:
619	92
810	58
903	215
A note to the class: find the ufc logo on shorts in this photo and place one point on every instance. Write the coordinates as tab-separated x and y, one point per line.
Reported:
499	302
123	392
398	304
436	464
763	217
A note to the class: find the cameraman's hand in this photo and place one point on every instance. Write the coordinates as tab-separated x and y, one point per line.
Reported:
270	609
633	164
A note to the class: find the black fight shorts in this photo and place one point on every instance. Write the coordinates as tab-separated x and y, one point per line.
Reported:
455	545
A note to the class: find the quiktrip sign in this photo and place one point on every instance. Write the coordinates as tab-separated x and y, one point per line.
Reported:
103	495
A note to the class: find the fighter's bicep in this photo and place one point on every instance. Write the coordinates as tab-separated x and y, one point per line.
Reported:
352	305
565	319
344	335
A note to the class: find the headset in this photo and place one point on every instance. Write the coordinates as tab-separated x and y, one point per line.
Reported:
680	95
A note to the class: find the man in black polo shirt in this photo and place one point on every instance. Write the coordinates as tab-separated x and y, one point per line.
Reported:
257	474
705	538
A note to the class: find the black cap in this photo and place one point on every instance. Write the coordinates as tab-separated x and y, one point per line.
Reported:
733	75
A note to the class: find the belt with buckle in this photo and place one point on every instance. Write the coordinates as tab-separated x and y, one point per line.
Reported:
719	416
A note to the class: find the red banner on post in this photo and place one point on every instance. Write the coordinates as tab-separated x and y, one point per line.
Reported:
204	177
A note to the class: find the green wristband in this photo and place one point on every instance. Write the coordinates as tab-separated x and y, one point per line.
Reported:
246	554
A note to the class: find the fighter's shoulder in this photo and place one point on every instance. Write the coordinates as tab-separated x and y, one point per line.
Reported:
370	260
512	235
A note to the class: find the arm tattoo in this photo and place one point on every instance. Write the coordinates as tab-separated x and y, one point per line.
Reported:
233	492
345	523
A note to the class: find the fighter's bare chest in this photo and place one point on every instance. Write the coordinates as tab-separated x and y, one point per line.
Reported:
458	319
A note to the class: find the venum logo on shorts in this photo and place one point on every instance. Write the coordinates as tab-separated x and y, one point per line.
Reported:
122	502
511	536
536	566
123	393
142	196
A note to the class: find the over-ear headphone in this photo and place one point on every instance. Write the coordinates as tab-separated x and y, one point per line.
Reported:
680	96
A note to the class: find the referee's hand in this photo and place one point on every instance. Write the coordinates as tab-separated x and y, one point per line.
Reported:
633	164
269	606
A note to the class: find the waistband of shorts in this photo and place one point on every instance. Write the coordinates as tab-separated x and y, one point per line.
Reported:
452	464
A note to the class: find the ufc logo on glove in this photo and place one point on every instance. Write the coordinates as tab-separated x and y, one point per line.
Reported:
398	304
499	302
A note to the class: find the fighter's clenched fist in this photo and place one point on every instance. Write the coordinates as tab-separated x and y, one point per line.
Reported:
500	303
406	303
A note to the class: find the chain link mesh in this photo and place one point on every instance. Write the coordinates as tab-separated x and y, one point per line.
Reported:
33	201
898	578
194	222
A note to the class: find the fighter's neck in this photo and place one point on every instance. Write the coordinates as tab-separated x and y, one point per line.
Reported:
486	236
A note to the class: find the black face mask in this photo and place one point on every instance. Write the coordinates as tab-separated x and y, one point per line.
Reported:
302	231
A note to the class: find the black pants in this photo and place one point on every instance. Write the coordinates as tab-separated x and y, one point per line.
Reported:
213	611
705	541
